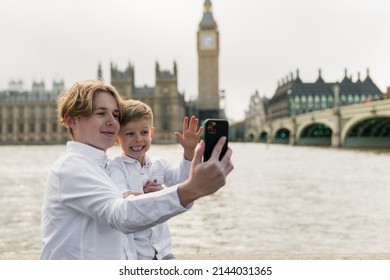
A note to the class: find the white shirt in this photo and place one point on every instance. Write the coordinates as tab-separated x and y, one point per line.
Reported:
84	216
129	175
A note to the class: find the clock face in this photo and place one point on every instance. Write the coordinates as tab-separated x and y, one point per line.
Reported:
208	41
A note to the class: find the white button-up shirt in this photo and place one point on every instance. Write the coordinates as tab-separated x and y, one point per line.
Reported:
84	216
129	175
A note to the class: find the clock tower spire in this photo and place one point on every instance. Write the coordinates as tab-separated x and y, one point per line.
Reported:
208	72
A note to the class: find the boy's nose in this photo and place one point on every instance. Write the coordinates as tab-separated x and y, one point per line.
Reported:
111	120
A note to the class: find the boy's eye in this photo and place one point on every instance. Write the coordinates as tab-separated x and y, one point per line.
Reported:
145	132
130	133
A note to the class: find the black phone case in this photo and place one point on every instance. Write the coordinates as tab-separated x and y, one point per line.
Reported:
213	134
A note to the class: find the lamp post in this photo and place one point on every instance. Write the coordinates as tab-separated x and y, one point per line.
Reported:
336	96
222	104
336	134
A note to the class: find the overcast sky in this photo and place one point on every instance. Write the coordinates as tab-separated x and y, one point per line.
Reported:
261	42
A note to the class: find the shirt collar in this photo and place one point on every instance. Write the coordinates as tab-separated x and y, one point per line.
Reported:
130	160
87	150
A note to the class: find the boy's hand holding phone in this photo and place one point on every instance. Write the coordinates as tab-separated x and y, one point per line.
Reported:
206	177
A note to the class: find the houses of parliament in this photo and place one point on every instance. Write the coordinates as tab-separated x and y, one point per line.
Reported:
30	117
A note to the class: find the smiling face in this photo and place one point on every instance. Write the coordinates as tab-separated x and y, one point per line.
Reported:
100	129
135	138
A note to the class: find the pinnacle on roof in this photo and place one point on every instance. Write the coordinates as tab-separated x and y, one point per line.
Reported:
320	80
297	79
358	79
207	19
346	79
368	78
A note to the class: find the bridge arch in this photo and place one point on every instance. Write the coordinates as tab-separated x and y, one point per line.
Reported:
281	136
364	121
250	135
263	137
315	134
266	129
305	124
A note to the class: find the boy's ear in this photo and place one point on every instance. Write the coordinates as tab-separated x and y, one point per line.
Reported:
116	141
152	133
70	121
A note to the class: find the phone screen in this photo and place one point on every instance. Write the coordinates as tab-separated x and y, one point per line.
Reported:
214	129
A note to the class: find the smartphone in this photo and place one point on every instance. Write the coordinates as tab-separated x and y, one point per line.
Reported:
213	130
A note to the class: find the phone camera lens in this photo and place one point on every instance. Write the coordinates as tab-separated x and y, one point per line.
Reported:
212	127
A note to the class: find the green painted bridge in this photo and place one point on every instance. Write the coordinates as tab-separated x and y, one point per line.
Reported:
364	125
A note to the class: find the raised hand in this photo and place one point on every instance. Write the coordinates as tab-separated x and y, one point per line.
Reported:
190	137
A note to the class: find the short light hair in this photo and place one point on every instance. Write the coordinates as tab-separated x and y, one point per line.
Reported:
79	100
136	110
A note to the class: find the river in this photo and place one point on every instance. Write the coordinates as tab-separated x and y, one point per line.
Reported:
279	199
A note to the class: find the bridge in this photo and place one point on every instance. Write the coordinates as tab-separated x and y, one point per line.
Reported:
363	125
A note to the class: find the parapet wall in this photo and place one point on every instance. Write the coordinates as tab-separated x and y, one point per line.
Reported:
248	257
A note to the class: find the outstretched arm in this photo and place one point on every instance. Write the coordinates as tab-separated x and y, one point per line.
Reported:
190	137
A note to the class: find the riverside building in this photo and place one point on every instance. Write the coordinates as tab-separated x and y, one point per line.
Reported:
30	117
294	97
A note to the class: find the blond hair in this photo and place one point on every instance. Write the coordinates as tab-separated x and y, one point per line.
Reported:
79	100
136	110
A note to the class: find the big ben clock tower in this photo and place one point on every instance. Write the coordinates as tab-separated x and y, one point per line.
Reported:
208	78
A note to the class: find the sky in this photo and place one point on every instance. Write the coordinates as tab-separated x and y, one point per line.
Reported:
261	42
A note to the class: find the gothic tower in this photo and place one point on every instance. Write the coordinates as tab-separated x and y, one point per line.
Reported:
168	105
123	81
208	77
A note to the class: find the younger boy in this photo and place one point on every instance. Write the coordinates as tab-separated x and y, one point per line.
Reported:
135	173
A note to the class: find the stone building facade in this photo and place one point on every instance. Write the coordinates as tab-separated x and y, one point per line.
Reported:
255	117
30	117
294	97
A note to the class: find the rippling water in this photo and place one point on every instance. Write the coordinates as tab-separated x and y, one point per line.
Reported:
278	199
